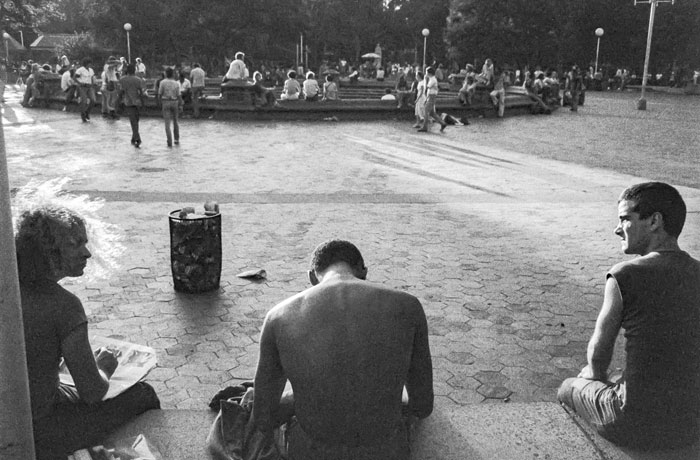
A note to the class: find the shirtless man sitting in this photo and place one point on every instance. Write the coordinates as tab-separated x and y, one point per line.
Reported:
348	348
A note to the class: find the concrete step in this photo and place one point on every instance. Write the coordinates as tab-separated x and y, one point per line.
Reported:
504	431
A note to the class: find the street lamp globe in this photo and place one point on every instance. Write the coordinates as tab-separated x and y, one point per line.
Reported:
425	32
599	32
127	27
5	36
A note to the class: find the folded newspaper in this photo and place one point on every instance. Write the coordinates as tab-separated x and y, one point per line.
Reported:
137	448
135	361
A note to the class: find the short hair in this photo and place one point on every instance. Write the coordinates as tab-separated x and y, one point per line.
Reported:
651	197
169	72
130	69
86	61
430	71
310	75
255	74
419	74
292	74
329	77
41	233
334	251
196	64
240	55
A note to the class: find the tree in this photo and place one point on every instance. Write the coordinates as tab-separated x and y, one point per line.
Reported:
17	15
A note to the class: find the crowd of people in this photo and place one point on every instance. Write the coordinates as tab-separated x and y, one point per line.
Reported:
345	333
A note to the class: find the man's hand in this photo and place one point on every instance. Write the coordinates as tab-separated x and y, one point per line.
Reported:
587	373
106	361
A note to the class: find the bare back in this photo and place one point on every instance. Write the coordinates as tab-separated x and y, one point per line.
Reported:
348	347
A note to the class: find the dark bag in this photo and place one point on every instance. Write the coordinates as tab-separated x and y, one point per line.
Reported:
111	86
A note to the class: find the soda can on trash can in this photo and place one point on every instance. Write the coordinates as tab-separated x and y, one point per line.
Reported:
195	251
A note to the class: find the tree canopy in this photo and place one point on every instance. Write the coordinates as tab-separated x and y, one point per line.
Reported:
513	32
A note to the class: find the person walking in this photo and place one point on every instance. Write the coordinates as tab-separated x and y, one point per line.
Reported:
170	101
431	97
419	109
131	93
85	79
197	78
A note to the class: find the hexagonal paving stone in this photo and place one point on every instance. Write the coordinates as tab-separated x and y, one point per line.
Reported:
493	392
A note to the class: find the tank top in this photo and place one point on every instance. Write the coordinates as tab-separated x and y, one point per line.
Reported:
661	319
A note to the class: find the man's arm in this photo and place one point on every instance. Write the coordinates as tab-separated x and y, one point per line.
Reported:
269	380
91	379
602	343
419	384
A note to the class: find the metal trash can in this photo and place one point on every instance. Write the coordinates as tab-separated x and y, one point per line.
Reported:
195	251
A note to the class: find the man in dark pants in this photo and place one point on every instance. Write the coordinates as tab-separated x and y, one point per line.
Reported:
574	84
132	93
655	298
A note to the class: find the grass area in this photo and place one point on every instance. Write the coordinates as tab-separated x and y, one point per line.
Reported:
661	143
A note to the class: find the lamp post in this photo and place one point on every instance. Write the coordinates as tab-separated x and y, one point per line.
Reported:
598	33
6	37
642	102
127	27
425	33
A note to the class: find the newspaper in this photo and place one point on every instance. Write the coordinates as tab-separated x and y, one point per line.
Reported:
137	448
135	361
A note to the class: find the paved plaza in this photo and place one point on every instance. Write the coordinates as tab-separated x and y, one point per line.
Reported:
497	229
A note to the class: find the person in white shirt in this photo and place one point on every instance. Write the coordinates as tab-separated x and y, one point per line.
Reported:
185	88
388	96
237	70
85	79
431	93
311	88
68	86
140	68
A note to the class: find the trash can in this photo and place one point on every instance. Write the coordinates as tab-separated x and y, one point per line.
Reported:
195	251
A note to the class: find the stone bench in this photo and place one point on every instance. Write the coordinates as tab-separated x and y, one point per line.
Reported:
504	431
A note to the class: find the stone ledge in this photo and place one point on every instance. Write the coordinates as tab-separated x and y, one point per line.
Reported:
505	431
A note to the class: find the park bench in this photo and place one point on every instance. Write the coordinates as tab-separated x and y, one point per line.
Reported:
504	431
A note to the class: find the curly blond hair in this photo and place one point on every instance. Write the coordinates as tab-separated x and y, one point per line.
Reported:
41	233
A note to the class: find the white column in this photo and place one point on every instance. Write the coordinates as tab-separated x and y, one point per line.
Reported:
16	439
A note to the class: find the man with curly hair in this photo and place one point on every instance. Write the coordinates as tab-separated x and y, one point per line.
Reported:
51	245
349	348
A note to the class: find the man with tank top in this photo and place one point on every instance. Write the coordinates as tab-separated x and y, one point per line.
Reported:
655	298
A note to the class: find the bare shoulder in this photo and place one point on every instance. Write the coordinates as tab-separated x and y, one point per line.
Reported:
288	306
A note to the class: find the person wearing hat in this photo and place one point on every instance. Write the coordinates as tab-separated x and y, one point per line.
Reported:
237	70
431	90
109	88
